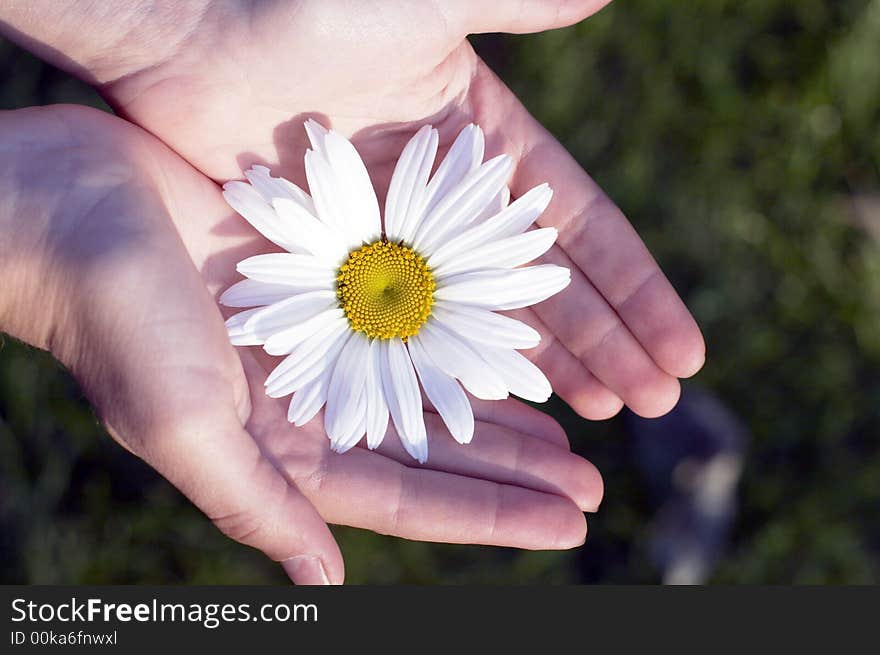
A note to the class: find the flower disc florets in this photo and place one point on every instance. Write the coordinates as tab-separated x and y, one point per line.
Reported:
386	290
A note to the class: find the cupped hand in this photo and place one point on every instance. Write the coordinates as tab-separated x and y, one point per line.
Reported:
229	84
115	271
236	86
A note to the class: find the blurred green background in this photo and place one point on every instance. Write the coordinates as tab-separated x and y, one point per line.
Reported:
742	138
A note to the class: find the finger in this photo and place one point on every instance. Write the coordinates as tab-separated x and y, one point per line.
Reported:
367	490
515	414
219	467
501	452
510	413
594	333
523	16
600	242
169	386
503	455
569	378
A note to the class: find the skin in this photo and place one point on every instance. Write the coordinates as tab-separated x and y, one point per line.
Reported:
229	84
97	213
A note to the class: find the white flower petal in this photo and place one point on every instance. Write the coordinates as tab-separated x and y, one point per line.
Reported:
316	133
253	293
238	335
322	186
406	193
503	253
463	203
515	219
309	399
308	360
271	188
404	400
244	199
283	342
483	326
523	378
458	358
313	234
354	435
377	408
498	204
287	313
504	289
461	219
296	270
341	188
346	403
354	189
464	156
444	393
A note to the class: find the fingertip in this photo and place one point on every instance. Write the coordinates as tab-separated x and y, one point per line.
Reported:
597	488
569	525
574	533
334	567
597	404
657	399
693	361
536	520
528	16
682	350
306	570
587	486
311	570
574	12
692	365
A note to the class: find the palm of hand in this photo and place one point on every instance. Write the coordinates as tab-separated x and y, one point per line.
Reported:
240	90
619	334
198	412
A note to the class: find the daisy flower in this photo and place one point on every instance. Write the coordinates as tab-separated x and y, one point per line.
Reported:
365	311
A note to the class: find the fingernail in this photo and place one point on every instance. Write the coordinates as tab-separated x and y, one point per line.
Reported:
306	570
591	508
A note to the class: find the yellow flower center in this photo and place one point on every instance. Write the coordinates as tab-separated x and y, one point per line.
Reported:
386	290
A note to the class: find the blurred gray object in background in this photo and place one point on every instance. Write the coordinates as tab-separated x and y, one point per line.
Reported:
692	459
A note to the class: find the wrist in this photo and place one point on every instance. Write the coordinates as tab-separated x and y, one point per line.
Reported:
31	145
61	168
102	42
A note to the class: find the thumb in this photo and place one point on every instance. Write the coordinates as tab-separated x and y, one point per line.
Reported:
220	468
523	16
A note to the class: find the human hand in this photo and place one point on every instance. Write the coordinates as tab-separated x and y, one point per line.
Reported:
233	82
96	272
